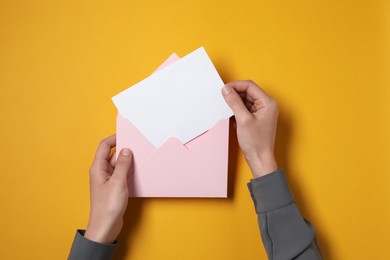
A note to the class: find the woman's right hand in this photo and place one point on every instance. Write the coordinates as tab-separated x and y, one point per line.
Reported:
256	115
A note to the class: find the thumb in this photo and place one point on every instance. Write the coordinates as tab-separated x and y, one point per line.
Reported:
235	103
123	164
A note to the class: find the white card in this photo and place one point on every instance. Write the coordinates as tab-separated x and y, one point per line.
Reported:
182	100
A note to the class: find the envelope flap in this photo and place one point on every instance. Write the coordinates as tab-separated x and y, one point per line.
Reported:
174	171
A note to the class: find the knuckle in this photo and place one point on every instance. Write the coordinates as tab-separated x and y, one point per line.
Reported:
250	82
273	107
102	143
270	102
93	172
273	103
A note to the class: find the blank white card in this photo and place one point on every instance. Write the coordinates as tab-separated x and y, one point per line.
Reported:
182	100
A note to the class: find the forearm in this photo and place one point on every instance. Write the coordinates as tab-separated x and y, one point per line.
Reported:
285	234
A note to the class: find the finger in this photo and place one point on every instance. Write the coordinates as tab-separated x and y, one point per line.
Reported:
252	89
104	149
99	170
123	165
249	106
235	102
113	159
244	96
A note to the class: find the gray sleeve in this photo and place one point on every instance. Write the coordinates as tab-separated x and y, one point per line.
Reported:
285	234
85	249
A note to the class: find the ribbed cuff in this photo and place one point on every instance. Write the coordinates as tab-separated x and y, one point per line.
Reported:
270	192
86	249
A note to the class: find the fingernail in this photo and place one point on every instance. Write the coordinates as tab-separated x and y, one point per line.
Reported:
125	152
226	90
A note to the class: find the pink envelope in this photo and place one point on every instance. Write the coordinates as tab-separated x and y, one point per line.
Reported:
195	169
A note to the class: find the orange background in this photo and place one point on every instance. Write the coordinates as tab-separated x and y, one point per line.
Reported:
326	62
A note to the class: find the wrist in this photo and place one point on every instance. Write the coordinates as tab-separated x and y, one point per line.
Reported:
262	165
105	234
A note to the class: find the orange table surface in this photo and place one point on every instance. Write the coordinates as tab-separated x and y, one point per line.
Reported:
326	62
